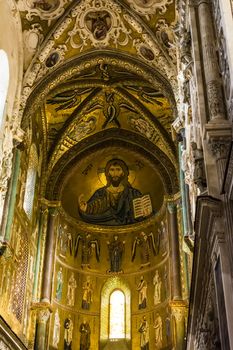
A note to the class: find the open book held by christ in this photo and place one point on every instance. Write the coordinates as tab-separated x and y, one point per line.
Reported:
142	206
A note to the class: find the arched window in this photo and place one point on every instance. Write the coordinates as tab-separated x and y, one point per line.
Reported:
117	315
115	312
30	181
4	82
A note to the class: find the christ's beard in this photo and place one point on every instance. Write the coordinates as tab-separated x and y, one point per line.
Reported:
115	181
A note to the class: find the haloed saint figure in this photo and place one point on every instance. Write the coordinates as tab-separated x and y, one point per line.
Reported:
113	203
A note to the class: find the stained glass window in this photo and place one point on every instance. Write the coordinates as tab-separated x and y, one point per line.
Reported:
117	315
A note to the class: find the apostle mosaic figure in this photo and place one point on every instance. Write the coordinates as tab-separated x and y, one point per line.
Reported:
163	238
146	243
142	293
56	329
168	328
62	239
113	203
85	332
144	334
72	285
68	334
158	327
116	249
87	294
90	247
59	284
157	288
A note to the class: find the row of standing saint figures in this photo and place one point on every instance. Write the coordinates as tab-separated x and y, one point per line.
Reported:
84	329
85	332
87	290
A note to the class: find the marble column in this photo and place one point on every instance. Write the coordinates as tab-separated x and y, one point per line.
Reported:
210	61
49	256
45	301
41	338
175	252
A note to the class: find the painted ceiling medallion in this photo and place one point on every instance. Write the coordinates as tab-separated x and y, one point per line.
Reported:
101	19
98	23
44	9
147	53
44	5
52	60
149	7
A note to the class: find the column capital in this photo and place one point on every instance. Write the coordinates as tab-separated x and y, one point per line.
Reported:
179	309
173	202
51	204
172	207
219	137
220	148
18	136
43	311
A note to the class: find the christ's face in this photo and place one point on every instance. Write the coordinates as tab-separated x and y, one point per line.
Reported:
116	174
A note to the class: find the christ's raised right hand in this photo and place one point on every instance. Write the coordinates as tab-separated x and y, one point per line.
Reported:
82	203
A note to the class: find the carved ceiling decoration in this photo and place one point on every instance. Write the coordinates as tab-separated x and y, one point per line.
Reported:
48	10
148	8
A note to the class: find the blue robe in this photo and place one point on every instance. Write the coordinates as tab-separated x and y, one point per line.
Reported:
105	213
